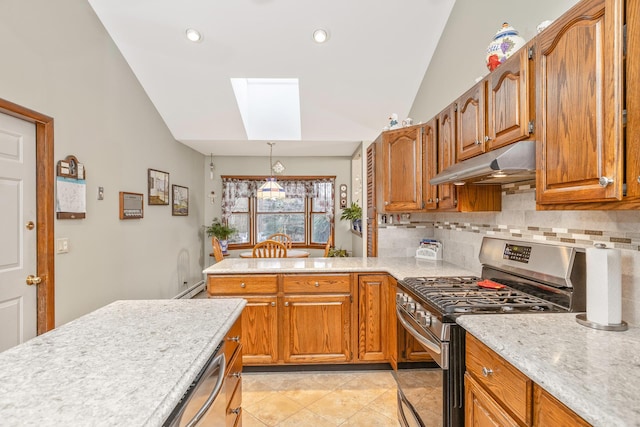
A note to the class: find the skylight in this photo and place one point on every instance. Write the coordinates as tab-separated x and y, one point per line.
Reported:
270	108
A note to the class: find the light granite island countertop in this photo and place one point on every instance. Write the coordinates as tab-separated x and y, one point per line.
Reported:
125	364
594	373
399	267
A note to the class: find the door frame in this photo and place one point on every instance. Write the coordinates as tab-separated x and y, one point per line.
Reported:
45	263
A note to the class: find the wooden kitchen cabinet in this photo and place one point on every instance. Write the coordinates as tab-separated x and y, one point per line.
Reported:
372	210
579	73
470	122
498	394
447	197
260	315
233	374
511	100
399	170
430	163
373	302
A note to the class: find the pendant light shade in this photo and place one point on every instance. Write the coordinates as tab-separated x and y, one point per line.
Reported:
270	190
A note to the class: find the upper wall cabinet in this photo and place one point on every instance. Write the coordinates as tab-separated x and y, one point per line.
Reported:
510	100
401	170
498	110
580	154
471	122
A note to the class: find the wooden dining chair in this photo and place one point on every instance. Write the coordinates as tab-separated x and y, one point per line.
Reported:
270	249
327	247
217	249
282	238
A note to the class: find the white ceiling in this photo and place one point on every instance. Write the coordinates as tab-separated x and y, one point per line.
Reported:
372	65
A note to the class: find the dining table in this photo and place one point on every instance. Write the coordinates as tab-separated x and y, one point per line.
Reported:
291	253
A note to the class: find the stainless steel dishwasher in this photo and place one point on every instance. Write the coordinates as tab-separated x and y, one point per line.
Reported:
204	403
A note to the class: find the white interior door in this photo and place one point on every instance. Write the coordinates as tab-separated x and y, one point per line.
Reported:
18	256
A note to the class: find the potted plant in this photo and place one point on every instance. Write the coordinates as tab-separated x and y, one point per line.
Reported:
221	231
335	252
353	213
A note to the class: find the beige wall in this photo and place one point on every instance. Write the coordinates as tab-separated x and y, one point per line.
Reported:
57	59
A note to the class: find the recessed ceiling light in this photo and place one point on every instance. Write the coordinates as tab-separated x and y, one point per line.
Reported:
194	35
320	35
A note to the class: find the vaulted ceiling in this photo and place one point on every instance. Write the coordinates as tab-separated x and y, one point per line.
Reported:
371	66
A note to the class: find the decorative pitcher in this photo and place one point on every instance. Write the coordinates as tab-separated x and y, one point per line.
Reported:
504	44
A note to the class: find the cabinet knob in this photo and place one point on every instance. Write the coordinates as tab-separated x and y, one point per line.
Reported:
604	181
234	339
242	285
487	371
639	180
235	411
487	138
430	200
273	304
237	374
386	203
437	199
476	142
286	304
317	284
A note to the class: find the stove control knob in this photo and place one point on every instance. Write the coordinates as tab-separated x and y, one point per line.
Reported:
427	319
421	317
411	307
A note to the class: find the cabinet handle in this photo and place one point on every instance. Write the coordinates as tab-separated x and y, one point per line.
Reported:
604	181
242	285
437	199
273	304
234	339
235	411
286	304
638	179
476	142
487	371
317	284
386	203
430	200
237	374
487	138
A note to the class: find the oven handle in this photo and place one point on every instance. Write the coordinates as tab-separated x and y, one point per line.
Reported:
220	363
431	345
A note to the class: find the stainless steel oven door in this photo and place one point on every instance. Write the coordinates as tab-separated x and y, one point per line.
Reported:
437	349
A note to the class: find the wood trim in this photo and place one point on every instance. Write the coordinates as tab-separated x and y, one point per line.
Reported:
280	178
45	209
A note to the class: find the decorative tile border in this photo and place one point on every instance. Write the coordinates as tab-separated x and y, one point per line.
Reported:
621	240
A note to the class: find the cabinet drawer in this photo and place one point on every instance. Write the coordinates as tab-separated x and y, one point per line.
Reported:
317	283
233	341
505	383
240	285
233	380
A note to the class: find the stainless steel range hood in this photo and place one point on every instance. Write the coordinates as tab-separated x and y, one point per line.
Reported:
513	163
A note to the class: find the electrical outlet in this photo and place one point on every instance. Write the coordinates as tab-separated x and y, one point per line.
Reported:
62	245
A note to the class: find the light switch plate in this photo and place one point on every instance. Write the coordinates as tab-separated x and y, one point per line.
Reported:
62	245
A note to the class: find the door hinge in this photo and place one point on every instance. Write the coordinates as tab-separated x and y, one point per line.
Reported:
532	126
530	52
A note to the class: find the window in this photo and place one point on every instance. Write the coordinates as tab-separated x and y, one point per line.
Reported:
306	214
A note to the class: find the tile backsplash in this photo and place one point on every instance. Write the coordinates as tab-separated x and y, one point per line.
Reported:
462	235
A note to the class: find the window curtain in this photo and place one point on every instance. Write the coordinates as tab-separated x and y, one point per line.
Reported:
233	188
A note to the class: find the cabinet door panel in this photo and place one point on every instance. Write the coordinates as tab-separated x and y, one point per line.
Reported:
471	122
430	163
402	170
446	155
508	101
579	104
260	331
317	328
372	317
548	411
481	410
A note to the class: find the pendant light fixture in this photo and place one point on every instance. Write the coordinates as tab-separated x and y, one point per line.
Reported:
270	190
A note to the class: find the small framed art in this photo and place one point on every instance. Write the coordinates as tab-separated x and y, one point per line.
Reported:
158	187
180	206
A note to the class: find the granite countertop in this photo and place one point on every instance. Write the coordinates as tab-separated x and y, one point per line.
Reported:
595	373
399	267
127	363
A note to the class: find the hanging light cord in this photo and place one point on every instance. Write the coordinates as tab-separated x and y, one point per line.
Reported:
271	144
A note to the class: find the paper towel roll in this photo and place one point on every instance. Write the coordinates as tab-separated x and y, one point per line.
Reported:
604	286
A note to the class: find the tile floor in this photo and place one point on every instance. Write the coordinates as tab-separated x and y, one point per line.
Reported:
319	399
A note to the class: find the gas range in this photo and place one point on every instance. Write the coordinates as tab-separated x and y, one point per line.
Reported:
516	277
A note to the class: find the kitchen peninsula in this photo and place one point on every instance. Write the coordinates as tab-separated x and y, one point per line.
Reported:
128	363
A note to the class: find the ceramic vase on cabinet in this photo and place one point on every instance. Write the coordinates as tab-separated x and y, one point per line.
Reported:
504	44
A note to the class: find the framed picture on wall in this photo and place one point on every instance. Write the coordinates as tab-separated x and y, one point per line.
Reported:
180	206
158	187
